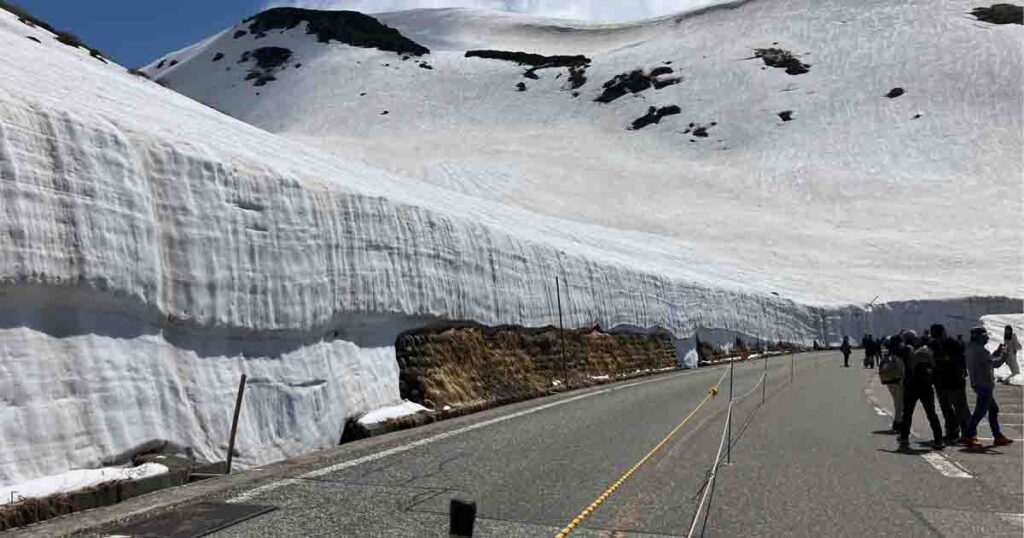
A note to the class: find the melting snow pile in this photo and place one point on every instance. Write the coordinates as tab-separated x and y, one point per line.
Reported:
390	412
76	480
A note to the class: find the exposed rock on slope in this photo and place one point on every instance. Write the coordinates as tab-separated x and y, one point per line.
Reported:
1000	14
636	81
782	59
348	27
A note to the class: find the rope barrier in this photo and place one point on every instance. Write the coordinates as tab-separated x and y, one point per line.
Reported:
592	507
710	483
751	391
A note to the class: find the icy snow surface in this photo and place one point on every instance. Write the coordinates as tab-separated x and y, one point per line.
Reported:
153	249
76	480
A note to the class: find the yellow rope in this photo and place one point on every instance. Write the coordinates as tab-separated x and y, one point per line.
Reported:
576	521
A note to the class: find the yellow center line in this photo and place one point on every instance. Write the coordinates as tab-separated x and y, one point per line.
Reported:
590	509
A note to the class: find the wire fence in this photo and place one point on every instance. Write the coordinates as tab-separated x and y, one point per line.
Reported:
707	490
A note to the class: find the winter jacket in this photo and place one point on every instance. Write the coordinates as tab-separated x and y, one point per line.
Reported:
950	368
918	365
981	365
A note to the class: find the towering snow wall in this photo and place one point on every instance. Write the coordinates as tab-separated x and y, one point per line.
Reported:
152	249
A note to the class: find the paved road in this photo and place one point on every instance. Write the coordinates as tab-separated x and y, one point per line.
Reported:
806	463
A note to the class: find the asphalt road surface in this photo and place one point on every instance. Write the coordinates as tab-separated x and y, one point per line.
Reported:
810	461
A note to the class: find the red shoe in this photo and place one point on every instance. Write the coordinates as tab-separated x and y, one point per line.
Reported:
973	442
1002	441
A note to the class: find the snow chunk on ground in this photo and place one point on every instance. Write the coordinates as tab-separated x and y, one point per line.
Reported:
76	480
390	412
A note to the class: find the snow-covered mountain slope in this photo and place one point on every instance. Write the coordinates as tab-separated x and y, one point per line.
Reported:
152	249
864	191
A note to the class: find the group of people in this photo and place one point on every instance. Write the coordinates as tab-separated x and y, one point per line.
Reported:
920	369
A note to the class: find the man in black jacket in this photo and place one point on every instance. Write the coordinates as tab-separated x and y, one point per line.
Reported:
949	377
917	387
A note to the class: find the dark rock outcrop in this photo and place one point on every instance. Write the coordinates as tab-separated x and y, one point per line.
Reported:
1000	14
635	81
527	58
782	59
348	27
269	60
786	115
895	92
654	115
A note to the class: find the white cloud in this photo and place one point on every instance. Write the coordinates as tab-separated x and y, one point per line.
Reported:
595	10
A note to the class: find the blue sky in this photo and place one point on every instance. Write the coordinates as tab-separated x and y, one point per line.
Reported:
136	32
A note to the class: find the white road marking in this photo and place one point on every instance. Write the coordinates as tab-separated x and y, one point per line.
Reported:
1013	518
991	439
266	488
944	466
941	463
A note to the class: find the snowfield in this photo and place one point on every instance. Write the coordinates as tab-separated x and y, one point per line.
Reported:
152	248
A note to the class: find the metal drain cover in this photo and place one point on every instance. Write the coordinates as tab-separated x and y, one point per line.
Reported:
194	520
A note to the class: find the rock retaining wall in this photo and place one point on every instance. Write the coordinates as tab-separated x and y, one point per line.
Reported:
460	367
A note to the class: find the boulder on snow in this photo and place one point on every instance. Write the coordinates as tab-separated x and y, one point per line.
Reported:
895	92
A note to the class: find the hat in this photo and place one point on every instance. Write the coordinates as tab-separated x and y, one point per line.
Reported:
978	331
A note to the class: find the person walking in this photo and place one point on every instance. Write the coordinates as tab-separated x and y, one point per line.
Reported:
890	373
845	348
1011	347
981	366
950	376
918	364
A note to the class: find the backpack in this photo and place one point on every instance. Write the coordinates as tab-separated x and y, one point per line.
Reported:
890	371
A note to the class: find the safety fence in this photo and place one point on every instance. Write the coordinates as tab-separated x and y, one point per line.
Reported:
698	524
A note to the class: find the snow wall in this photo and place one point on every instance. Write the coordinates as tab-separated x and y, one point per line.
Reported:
152	250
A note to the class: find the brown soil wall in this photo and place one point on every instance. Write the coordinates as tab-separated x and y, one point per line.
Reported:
468	367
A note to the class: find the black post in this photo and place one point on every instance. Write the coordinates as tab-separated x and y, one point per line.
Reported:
764	380
234	424
461	516
728	453
561	333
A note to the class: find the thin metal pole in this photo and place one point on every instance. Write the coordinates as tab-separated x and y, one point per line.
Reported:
728	453
792	367
764	382
234	423
561	333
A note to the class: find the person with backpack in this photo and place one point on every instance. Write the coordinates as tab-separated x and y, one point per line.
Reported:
890	373
981	366
950	376
846	348
918	364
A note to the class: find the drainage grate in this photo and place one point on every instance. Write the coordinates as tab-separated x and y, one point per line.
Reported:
193	521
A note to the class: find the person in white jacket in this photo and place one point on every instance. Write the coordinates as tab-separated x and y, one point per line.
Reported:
1010	350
